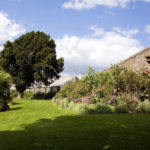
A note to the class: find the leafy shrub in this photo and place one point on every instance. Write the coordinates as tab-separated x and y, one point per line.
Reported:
50	95
95	79
64	103
101	93
143	107
83	100
131	105
120	109
28	95
91	78
145	89
84	108
103	109
40	95
81	108
92	108
56	101
74	90
123	98
118	88
14	93
125	80
71	105
5	83
66	90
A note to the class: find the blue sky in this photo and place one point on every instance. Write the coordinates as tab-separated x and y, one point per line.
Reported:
94	33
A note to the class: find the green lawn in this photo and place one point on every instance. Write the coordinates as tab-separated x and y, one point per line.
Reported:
41	125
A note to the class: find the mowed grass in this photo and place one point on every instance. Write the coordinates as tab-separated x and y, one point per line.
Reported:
41	125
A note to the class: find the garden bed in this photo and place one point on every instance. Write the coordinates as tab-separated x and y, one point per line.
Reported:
118	90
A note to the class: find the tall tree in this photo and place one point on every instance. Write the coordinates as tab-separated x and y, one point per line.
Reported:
30	58
5	82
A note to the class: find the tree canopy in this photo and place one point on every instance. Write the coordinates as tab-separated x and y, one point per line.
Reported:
31	57
5	82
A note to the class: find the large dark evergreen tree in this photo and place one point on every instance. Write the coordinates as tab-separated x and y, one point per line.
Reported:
30	58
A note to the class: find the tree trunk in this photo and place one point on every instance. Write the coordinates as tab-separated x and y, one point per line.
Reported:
20	94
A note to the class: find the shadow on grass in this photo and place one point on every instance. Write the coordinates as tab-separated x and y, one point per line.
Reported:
89	132
14	103
16	108
41	99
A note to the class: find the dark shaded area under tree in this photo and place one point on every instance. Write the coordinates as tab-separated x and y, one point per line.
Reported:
88	132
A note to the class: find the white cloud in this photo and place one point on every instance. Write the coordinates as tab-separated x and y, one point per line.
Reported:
146	0
8	29
126	32
147	28
97	31
99	52
106	14
87	4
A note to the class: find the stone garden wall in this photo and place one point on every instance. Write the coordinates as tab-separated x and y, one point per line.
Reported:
137	62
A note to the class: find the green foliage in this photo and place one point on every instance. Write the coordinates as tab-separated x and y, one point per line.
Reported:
5	83
101	93
118	88
71	105
66	90
131	105
105	78
81	108
84	108
91	78
14	93
121	109
43	96
145	89
103	109
123	98
74	90
31	57
64	103
28	95
125	80
143	107
95	79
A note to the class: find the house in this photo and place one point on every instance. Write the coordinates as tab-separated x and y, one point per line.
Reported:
55	86
63	81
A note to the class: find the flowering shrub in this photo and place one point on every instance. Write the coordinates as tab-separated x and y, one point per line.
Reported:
118	88
145	89
83	99
125	80
74	90
113	100
101	93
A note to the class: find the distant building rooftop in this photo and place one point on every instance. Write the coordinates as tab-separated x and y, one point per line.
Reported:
64	80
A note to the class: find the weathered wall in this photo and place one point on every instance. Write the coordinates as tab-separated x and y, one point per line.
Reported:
137	62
